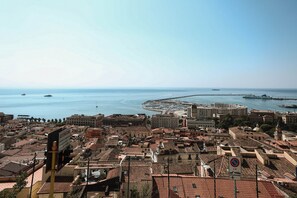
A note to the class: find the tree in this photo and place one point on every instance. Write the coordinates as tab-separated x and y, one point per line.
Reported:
265	127
268	129
146	190
43	120
226	122
7	193
20	182
134	193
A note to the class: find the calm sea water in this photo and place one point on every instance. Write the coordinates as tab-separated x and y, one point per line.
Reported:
125	101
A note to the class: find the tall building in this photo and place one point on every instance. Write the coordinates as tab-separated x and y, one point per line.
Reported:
165	120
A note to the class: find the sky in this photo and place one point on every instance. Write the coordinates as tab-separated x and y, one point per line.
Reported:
148	43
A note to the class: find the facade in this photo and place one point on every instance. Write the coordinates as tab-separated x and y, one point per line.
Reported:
165	120
217	109
262	116
83	120
290	118
195	124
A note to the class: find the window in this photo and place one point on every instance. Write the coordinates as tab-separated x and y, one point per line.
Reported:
197	196
194	185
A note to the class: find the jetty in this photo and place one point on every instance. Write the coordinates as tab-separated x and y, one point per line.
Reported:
246	96
193	95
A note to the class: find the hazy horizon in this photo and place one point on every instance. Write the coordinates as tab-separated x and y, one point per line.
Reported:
144	88
138	44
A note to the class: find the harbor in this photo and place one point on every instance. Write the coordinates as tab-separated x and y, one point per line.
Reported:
265	97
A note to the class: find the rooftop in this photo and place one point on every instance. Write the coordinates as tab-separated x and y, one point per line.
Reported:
190	186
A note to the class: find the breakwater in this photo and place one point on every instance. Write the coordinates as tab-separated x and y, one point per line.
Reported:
193	95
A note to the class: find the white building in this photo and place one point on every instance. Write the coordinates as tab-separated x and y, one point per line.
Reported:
215	110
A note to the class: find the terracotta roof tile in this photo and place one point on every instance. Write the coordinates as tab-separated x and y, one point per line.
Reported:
60	187
189	186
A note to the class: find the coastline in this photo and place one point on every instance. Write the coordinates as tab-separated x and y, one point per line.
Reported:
124	101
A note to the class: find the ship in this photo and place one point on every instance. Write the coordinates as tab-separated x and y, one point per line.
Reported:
263	97
215	89
23	94
48	96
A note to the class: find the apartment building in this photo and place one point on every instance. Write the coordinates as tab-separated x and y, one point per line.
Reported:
217	109
165	120
83	120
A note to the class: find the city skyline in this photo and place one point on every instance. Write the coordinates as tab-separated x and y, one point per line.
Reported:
115	44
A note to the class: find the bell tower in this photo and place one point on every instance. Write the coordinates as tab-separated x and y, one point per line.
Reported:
278	132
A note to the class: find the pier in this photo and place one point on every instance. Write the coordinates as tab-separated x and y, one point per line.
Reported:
214	95
193	95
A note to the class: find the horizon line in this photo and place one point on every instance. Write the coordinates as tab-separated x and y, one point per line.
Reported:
144	87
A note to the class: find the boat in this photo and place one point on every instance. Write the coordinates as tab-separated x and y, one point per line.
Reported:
292	106
263	97
23	94
215	89
48	95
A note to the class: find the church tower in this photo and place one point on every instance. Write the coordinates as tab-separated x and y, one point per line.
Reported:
278	132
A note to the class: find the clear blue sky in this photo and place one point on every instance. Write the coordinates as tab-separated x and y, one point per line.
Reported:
148	43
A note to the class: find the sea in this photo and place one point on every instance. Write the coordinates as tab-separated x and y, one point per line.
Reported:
66	102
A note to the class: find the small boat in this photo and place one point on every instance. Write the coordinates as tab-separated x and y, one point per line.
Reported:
292	106
216	89
23	94
47	96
